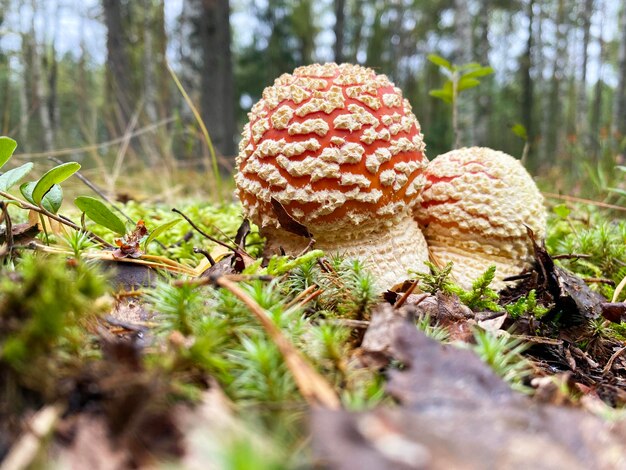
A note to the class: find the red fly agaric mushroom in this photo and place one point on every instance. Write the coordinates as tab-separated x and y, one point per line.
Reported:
340	149
474	210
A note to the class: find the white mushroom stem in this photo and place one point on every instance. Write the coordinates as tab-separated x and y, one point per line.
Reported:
470	262
389	253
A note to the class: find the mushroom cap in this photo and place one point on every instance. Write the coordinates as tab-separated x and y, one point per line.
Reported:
336	145
475	207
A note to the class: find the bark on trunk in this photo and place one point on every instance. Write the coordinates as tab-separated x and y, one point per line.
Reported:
340	17
483	102
119	85
209	29
554	111
465	105
39	87
619	118
527	85
581	119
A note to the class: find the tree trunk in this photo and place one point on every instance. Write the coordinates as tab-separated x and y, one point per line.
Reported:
118	78
39	86
619	119
525	67
149	69
464	54
582	111
340	6
596	110
483	99
554	110
209	62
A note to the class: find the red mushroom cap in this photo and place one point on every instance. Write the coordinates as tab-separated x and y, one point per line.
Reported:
333	144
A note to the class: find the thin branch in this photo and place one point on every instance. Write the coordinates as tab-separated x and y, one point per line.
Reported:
206	235
591	202
58	218
87	148
95	189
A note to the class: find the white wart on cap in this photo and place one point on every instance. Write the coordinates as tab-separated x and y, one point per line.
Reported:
474	211
340	149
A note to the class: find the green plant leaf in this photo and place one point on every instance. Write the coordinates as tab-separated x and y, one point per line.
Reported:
442	94
56	175
465	83
562	211
621	192
520	131
158	231
99	212
440	61
478	72
51	201
12	177
621	168
469	66
7	147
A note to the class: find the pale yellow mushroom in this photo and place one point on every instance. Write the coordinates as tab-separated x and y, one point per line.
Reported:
474	211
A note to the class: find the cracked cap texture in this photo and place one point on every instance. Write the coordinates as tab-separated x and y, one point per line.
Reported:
475	207
335	145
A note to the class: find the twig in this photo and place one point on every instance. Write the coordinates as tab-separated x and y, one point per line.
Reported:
87	148
348	323
564	197
301	295
405	296
313	387
96	190
599	280
206	254
58	218
9	229
571	256
236	249
610	362
29	444
125	325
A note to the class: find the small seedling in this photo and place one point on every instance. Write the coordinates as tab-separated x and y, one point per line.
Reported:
460	78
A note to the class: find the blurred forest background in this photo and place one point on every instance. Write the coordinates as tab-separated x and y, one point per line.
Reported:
88	80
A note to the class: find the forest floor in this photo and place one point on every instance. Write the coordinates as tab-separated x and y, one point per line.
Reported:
221	360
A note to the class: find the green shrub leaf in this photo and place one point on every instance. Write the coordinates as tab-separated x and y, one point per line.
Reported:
478	72
520	131
51	201
12	177
440	61
465	83
56	175
442	94
158	231
97	211
7	147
